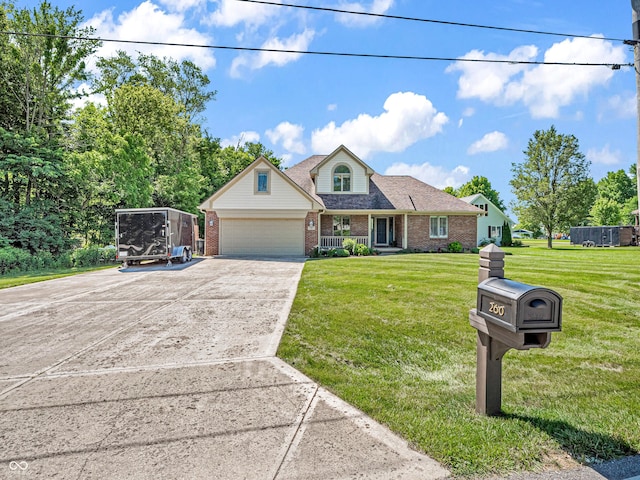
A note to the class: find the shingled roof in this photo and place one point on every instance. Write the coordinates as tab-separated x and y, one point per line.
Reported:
386	192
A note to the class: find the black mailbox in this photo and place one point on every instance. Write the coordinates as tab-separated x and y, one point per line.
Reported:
519	307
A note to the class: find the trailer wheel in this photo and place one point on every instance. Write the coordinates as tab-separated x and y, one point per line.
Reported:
189	256
184	258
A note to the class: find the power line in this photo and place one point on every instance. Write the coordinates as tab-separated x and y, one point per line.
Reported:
614	66
426	20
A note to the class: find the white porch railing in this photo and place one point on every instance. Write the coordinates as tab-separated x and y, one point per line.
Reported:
336	242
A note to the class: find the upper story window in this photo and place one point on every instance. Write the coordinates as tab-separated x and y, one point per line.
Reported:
262	181
341	179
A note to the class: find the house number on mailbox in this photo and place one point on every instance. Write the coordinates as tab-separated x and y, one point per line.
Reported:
496	308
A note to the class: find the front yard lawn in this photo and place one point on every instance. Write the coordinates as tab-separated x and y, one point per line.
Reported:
391	336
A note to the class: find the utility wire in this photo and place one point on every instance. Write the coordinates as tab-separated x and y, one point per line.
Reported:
614	66
426	20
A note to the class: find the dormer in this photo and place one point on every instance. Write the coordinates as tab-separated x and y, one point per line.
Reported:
341	173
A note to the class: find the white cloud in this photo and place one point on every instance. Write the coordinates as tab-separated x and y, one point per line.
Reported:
491	142
147	22
487	81
182	5
431	174
289	135
544	89
604	156
232	12
241	139
378	7
332	107
408	118
622	106
299	42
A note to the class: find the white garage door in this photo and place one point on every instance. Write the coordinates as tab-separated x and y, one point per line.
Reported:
266	237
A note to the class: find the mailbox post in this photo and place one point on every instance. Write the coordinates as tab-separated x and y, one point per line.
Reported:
508	315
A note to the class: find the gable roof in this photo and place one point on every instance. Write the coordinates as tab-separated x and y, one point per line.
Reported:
260	161
481	196
386	192
341	148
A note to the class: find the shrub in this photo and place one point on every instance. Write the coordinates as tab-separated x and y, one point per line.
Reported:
454	247
506	240
341	252
361	250
349	244
14	259
475	250
108	255
86	257
486	241
315	253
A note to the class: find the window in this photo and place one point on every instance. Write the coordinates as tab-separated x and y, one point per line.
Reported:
341	226
262	181
495	232
342	179
439	227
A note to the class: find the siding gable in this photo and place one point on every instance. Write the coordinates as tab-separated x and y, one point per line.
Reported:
360	173
240	193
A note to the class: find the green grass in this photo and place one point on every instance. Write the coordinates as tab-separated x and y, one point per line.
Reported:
391	336
24	278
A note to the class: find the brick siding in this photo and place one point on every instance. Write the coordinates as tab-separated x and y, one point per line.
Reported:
310	236
461	229
211	234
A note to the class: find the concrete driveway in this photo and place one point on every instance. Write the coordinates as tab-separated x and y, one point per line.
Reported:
159	372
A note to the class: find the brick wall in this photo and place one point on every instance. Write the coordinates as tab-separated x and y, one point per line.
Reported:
359	225
461	229
211	234
310	236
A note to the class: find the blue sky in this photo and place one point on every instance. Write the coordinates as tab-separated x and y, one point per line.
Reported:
440	121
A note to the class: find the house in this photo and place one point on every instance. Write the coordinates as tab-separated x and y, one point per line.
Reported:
491	222
325	199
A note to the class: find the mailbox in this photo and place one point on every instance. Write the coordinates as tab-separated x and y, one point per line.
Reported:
519	307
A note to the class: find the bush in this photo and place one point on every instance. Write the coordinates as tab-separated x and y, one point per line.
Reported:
87	257
486	241
315	253
361	250
454	247
338	252
108	255
15	260
349	244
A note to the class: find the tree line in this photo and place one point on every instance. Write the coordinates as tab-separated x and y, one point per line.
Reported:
64	170
554	190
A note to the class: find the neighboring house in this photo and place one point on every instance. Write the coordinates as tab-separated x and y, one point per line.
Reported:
491	222
325	199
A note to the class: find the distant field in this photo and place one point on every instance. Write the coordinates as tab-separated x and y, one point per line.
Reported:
391	335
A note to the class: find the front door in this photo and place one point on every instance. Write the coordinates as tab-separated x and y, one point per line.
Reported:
381	231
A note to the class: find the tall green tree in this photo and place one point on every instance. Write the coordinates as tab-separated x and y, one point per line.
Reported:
41	64
552	185
481	185
605	211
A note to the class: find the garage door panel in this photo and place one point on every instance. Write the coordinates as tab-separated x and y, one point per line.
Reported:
278	237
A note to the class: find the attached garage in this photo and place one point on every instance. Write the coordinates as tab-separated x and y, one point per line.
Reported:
262	236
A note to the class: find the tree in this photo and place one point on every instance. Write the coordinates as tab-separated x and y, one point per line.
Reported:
552	186
449	190
617	186
506	240
39	71
481	185
605	211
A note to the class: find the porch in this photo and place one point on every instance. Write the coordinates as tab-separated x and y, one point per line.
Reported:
336	242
